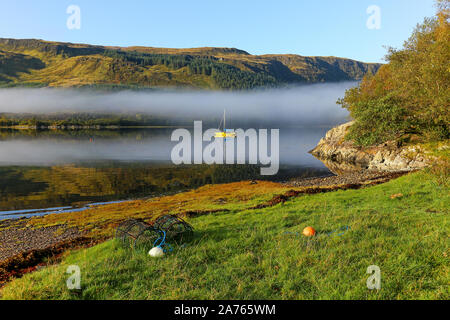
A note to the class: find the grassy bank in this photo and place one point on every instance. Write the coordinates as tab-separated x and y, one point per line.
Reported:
247	254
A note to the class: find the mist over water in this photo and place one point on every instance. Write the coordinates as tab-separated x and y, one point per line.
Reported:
309	105
53	168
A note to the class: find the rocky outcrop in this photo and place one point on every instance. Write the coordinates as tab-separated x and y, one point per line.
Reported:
343	156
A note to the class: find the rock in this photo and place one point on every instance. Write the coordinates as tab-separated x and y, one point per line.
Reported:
343	156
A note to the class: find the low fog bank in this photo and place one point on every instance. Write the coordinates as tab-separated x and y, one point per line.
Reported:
302	105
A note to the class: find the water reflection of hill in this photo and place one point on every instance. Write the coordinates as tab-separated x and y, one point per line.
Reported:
42	187
8	134
48	168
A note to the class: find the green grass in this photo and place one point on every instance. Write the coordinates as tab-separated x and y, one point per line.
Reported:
248	255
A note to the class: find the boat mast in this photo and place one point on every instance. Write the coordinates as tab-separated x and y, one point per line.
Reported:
225	138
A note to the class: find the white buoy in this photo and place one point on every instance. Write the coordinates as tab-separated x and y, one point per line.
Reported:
156	252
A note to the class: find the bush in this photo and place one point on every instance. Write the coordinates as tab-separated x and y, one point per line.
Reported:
386	116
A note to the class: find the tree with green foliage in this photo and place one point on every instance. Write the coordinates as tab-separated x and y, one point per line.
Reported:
225	76
409	95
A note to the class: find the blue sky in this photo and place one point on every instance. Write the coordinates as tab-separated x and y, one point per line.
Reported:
306	27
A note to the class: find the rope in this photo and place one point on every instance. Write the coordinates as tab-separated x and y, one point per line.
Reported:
162	244
344	229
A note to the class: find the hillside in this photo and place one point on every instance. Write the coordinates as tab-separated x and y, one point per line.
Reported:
43	63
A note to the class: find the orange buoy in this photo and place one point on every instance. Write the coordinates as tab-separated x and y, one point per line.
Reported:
309	232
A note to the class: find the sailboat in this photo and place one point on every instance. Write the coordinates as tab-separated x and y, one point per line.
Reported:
225	133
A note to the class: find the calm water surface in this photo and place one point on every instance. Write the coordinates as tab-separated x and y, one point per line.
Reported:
59	169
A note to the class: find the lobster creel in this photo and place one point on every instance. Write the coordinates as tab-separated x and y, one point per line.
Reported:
175	227
136	233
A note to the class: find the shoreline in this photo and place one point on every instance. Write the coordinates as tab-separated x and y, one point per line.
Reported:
117	127
93	127
52	234
28	242
29	213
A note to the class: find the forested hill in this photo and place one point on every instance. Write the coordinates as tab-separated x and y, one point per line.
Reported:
43	63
